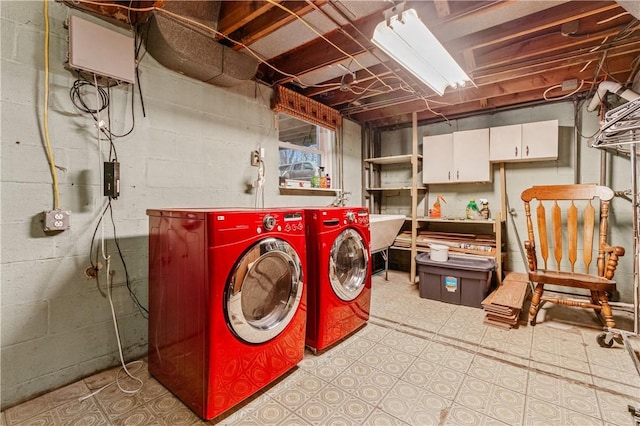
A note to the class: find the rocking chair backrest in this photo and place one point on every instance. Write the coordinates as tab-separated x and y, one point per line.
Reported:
555	193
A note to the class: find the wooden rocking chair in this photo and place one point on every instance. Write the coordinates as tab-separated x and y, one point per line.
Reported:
599	283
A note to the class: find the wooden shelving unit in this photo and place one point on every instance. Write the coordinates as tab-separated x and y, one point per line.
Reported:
376	191
459	225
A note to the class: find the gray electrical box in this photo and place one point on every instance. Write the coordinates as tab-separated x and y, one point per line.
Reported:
101	51
56	220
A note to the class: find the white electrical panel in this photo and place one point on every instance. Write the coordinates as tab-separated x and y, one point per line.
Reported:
100	50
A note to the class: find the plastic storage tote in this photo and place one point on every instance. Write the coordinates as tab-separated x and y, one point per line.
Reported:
461	280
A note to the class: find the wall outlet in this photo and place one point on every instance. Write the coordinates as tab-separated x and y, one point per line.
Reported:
255	158
56	220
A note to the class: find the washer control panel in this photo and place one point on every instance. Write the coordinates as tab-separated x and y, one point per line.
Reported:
360	217
288	222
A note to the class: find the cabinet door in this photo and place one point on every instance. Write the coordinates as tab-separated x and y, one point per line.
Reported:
540	140
437	159
471	156
504	143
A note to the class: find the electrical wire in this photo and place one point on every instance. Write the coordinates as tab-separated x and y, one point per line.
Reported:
219	34
45	113
133	116
353	58
143	310
257	56
559	86
103	101
124	367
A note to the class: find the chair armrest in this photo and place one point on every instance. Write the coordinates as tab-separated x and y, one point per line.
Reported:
614	252
531	255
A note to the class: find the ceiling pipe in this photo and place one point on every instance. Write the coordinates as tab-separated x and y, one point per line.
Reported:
613	87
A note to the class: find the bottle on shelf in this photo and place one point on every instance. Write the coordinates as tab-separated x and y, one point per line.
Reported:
315	180
436	212
485	213
323	178
328	181
473	212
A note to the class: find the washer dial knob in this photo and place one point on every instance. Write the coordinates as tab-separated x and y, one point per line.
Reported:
350	217
269	222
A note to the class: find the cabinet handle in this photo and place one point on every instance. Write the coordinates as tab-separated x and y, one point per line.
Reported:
516	151
457	174
449	176
527	151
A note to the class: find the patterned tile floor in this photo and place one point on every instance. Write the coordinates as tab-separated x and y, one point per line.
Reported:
417	362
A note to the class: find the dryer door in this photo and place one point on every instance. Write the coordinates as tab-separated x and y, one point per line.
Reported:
348	265
264	290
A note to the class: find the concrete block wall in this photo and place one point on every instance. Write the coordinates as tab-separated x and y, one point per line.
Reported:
192	149
519	176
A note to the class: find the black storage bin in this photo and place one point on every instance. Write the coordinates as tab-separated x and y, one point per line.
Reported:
461	280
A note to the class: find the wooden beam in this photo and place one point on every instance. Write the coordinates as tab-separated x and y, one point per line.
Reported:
461	109
270	21
535	79
534	23
235	14
541	46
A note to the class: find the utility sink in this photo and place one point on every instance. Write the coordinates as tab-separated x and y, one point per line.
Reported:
384	228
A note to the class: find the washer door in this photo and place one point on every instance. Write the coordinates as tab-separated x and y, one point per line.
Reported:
264	290
348	264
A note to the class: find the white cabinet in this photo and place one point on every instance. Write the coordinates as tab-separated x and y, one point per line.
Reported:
457	157
437	158
524	142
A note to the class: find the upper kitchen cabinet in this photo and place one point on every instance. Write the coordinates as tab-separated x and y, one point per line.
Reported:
524	142
456	158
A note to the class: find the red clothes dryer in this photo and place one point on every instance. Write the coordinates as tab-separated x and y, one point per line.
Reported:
339	273
227	302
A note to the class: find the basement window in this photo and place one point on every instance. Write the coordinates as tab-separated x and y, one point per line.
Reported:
305	152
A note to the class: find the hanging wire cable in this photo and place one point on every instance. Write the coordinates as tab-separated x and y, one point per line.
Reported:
45	112
353	58
217	33
559	86
103	101
143	310
124	366
256	55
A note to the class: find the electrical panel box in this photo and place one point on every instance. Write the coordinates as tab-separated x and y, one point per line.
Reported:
101	51
111	179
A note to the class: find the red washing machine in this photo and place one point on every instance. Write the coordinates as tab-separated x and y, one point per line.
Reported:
339	273
227	302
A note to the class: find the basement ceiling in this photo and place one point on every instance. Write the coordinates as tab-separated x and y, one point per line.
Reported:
516	52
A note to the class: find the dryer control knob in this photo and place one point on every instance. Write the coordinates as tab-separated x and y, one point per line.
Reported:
350	217
269	222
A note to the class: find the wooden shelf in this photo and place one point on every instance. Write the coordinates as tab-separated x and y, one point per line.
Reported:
308	191
456	220
398	188
454	253
395	159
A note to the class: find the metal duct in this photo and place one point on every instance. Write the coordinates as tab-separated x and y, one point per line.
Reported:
191	51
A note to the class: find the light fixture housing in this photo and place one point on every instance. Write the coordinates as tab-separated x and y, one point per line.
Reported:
406	39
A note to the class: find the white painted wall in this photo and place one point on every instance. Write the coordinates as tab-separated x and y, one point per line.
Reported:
520	176
192	149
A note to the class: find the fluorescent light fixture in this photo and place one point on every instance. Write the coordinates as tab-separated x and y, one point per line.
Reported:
406	39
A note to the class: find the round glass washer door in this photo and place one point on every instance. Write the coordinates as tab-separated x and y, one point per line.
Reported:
348	264
264	290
